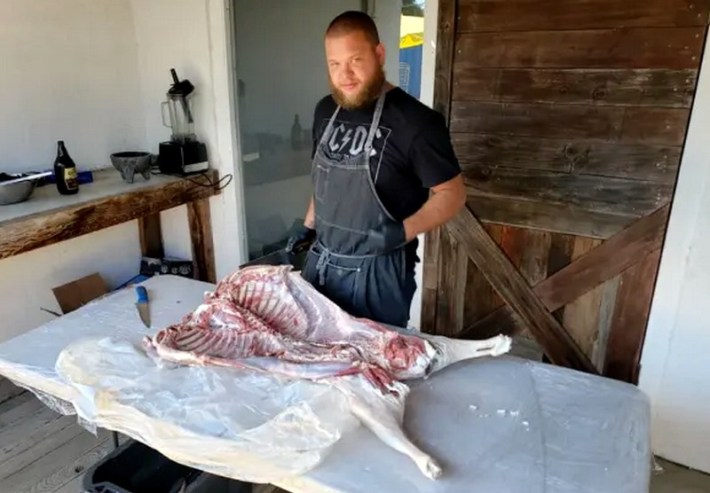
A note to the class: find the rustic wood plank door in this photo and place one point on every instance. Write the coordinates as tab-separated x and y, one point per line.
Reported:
569	119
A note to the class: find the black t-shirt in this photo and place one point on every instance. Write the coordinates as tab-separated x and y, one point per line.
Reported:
412	148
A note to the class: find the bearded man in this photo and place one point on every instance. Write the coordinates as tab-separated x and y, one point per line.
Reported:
377	154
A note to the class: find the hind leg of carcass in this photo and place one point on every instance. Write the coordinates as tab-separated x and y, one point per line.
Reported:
383	415
451	351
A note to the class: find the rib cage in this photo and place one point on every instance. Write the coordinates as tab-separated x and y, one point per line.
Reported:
266	293
270	312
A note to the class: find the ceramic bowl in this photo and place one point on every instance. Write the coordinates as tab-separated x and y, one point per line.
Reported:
129	163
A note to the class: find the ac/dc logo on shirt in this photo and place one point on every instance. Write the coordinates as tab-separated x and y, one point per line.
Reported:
348	139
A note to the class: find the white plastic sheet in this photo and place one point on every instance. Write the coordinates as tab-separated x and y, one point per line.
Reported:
504	425
245	425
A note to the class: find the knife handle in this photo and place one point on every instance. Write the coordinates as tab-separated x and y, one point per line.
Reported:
142	294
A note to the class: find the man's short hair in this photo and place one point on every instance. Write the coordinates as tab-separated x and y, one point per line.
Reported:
354	20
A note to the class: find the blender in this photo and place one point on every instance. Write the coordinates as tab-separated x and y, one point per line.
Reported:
183	153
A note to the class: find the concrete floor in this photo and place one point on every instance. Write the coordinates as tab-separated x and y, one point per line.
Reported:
673	478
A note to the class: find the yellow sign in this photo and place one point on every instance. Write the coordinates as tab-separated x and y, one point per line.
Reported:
411	40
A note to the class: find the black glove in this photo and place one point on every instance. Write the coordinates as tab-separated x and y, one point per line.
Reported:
388	237
301	238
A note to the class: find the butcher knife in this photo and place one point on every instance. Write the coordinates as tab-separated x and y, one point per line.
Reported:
282	257
142	305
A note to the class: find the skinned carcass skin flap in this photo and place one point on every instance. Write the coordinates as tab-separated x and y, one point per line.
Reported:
236	423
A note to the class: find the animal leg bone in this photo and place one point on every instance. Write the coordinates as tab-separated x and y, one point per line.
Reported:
450	351
384	415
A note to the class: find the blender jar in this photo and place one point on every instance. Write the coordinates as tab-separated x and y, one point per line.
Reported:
180	116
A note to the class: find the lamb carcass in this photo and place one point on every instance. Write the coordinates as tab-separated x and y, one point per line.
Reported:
268	318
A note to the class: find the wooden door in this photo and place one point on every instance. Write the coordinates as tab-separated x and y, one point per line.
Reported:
569	119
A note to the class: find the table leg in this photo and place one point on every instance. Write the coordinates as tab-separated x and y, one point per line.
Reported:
198	218
151	236
114	437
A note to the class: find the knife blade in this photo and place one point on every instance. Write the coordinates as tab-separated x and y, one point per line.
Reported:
142	305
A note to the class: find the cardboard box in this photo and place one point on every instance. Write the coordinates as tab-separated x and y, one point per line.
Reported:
75	294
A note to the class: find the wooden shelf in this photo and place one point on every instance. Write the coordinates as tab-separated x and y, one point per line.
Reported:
48	217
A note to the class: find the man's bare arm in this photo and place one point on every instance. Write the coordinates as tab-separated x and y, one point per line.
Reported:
310	221
446	201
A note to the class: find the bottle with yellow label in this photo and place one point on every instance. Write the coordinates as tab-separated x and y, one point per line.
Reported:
65	171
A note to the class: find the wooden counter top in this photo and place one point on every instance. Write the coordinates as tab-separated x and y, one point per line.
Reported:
48	217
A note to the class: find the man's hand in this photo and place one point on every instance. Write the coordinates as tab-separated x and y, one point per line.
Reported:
388	237
446	201
310	220
305	234
302	237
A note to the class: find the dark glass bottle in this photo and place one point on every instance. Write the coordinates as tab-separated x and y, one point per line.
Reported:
65	171
296	133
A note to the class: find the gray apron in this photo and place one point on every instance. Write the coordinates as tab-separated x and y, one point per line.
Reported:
344	264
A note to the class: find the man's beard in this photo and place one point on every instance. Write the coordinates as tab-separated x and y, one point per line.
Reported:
367	94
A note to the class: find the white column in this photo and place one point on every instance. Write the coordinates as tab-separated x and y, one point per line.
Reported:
674	364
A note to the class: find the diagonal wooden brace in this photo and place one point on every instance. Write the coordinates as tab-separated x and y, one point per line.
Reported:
609	259
558	345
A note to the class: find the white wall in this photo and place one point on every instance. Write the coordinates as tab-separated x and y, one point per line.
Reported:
26	280
103	102
191	36
68	72
674	366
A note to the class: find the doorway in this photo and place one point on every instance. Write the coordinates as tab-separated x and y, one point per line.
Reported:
280	76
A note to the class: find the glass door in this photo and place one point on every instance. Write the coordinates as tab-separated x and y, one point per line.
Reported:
281	74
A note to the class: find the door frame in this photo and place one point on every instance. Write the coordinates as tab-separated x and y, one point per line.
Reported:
666	320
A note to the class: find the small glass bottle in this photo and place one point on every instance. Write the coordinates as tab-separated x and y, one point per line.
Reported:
296	133
65	171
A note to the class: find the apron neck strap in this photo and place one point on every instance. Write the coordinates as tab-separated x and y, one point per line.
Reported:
375	121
